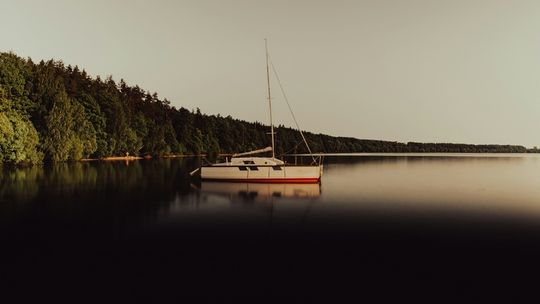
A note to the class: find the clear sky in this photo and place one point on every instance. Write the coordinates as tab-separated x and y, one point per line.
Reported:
463	71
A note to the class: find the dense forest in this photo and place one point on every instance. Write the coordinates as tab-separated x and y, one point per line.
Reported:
53	112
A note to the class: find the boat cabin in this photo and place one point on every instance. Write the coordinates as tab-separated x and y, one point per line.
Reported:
252	161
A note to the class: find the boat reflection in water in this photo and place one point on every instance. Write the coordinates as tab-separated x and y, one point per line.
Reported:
251	206
260	192
220	202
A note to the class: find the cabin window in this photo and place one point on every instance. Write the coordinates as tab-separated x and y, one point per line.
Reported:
242	168
277	168
253	168
249	162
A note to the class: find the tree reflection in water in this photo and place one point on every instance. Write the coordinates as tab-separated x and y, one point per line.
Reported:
109	192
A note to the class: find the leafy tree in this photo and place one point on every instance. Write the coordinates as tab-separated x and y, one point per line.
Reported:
18	137
13	75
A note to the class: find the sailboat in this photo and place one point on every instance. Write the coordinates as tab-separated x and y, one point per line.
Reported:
245	167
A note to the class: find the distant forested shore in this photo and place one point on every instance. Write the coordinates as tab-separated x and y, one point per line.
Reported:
50	112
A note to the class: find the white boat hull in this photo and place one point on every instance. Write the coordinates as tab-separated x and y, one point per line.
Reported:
263	174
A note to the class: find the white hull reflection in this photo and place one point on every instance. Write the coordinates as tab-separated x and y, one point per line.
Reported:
261	191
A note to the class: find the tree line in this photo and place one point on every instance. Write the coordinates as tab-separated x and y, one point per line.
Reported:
53	112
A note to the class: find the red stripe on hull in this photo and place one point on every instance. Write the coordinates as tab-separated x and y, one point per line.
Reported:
267	180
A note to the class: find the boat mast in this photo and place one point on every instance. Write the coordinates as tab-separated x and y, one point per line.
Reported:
269	99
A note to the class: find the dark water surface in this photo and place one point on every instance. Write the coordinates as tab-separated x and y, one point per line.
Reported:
426	227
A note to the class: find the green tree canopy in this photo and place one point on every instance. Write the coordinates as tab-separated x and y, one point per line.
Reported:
18	137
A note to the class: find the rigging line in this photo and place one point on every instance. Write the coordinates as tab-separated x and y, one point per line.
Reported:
290	150
290	109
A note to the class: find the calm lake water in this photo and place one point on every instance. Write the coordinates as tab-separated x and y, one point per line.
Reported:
144	230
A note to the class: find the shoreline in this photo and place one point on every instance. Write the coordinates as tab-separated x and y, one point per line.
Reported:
433	154
426	154
367	154
133	158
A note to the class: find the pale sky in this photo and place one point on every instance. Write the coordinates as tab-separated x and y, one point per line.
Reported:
464	71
